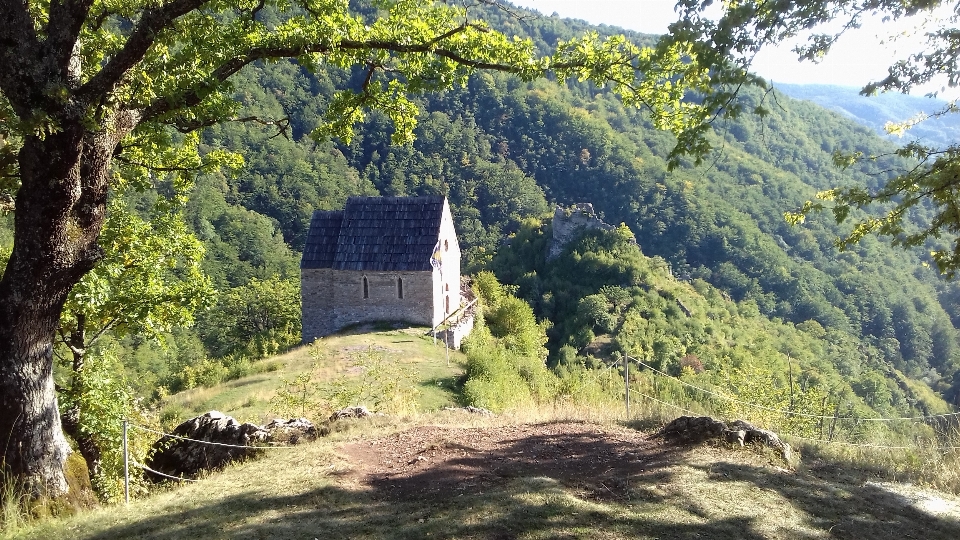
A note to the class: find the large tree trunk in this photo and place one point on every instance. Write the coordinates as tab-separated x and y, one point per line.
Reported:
60	208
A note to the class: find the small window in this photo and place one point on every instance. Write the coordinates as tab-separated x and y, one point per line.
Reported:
400	288
366	288
446	287
446	245
447	301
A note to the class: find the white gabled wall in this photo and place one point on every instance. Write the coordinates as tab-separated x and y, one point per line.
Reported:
447	278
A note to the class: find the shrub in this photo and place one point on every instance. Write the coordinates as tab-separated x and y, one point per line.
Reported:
300	398
106	400
383	385
493	381
506	353
580	385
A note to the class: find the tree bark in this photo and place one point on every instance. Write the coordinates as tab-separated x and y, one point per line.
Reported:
86	444
61	207
71	418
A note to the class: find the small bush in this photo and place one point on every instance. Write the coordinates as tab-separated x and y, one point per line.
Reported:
494	380
238	366
383	385
300	397
580	385
267	367
211	373
172	415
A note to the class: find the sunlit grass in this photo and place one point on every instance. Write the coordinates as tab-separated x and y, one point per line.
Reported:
249	399
708	491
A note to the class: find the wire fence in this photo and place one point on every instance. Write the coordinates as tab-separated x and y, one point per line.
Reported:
786	412
127	461
661	402
165	475
212	443
809	439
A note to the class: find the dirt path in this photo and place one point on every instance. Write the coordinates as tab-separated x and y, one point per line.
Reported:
715	492
430	461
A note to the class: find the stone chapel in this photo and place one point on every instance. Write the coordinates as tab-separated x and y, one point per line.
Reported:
380	259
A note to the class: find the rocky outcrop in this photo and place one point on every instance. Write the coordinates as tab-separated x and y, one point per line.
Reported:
350	412
470	409
292	431
697	429
569	223
211	441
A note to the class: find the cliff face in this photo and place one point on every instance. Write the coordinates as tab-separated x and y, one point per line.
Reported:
569	223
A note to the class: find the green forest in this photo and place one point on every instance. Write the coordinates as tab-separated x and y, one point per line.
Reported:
505	152
701	278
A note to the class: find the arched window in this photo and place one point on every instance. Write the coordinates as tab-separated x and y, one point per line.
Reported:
447	301
400	288
446	287
446	245
366	288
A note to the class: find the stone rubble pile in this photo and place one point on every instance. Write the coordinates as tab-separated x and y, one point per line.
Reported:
216	439
350	412
697	429
470	409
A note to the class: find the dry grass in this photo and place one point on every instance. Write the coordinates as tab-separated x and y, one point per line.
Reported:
248	399
708	491
929	464
703	492
12	504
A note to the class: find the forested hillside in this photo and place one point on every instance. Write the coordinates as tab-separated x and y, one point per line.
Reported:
875	111
505	151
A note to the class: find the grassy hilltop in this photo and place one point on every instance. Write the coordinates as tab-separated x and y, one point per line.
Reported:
558	470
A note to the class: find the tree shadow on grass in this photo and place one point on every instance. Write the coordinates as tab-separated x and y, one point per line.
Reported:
848	507
550	482
592	463
335	512
449	385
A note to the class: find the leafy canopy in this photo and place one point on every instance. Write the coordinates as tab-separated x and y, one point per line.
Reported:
170	64
149	281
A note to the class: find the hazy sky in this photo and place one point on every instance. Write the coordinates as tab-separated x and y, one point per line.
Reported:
855	60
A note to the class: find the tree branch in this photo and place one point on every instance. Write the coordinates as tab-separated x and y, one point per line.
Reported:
19	52
152	22
510	11
100	19
184	126
147	166
63	28
195	95
110	324
256	10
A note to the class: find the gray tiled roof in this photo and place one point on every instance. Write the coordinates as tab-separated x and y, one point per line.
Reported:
375	233
321	246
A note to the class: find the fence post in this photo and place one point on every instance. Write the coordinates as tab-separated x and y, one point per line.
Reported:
126	466
626	382
833	426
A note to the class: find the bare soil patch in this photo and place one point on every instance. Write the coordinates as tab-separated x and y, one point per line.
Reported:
561	479
431	462
648	488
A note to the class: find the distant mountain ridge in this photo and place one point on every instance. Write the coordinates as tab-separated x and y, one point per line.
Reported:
875	111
